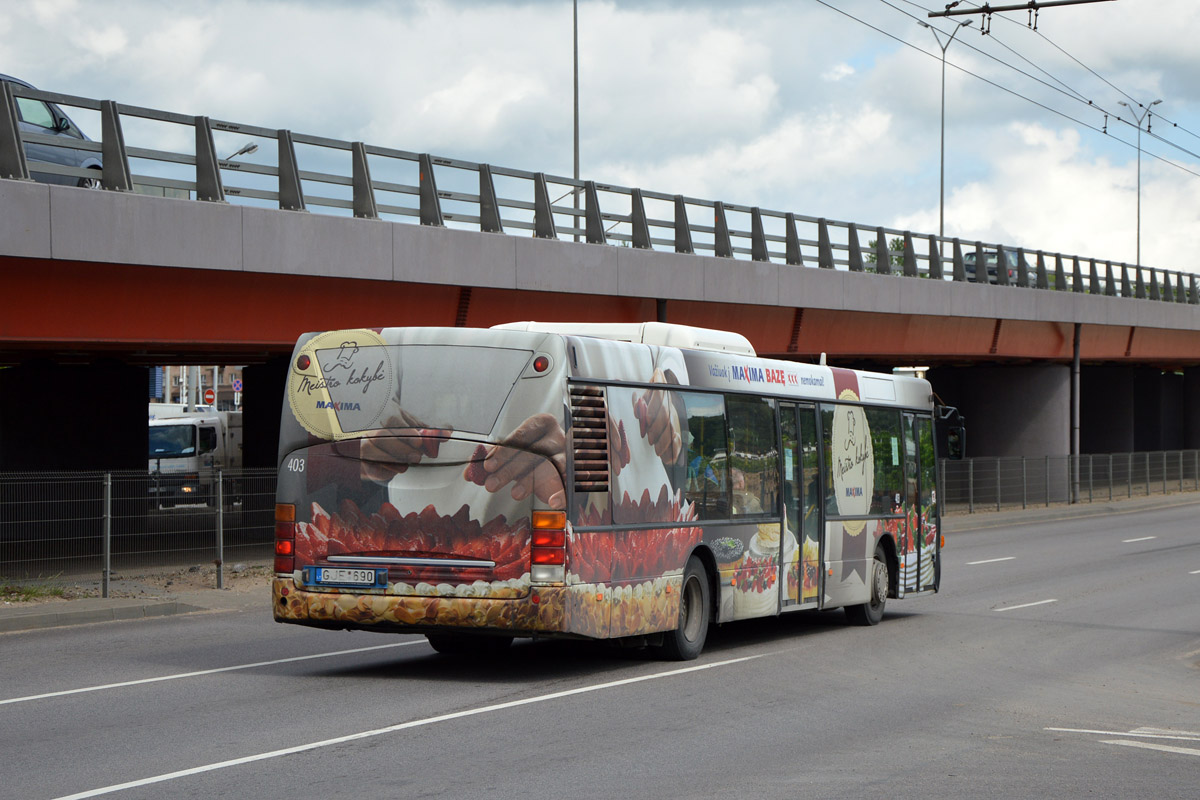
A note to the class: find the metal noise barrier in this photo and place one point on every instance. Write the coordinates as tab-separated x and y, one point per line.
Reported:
91	528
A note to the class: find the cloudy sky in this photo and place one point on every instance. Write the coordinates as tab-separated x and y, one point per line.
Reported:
821	107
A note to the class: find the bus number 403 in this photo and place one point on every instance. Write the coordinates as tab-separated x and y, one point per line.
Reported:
295	465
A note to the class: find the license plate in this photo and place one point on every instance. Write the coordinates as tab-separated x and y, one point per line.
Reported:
346	576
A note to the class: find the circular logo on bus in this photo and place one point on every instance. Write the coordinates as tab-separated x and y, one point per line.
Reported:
853	462
340	383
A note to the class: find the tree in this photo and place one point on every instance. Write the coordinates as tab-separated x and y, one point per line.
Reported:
896	245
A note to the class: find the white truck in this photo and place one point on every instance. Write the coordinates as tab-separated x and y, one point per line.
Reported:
186	453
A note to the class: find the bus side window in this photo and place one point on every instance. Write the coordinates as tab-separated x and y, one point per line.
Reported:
831	506
754	473
887	446
707	467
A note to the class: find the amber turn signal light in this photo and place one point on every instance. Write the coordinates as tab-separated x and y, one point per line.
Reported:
543	520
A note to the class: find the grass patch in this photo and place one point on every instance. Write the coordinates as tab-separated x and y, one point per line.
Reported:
19	593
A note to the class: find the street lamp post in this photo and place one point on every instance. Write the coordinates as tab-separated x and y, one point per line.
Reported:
575	37
246	149
942	179
1138	118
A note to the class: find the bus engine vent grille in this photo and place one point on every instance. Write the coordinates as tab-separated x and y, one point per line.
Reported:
589	438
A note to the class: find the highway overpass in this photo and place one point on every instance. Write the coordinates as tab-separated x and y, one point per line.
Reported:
101	284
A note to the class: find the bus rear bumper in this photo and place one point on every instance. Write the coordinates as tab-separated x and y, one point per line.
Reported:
542	611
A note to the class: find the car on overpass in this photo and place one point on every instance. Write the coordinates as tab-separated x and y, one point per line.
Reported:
991	259
57	138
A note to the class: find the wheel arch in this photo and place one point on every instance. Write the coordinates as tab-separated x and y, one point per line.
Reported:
888	544
709	561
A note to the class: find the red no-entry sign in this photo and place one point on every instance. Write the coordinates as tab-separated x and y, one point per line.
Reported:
210	397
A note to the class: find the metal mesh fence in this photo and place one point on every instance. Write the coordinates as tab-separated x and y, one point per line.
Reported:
89	524
55	524
975	484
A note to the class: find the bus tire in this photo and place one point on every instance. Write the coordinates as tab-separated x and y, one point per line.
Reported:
695	610
454	644
871	612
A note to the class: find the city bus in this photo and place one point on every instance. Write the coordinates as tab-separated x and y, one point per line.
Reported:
630	482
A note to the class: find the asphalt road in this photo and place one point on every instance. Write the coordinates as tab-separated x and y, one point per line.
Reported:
1061	659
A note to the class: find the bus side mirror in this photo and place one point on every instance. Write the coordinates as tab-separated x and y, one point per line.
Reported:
951	435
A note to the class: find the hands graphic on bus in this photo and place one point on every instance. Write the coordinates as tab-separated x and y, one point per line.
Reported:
659	421
383	458
532	458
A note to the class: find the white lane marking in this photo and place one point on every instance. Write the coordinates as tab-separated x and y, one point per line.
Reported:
1139	539
1165	732
287	751
990	560
1027	605
1166	748
1194	572
1144	733
199	673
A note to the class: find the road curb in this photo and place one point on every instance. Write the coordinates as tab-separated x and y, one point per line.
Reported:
35	619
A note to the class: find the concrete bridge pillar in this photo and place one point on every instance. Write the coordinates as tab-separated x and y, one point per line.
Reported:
1010	410
1158	410
261	406
1107	408
1191	408
1133	409
73	417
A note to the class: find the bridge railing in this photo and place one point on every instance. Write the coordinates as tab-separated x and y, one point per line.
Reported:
177	155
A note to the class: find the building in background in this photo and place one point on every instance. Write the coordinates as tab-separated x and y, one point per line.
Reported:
191	385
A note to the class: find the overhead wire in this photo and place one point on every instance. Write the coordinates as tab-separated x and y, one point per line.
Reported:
1026	98
1080	98
1078	95
1098	76
962	69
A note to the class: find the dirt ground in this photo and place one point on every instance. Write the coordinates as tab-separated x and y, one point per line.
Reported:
147	582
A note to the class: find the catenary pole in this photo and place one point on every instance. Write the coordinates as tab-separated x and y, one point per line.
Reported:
942	171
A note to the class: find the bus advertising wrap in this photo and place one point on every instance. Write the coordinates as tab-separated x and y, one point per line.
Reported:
534	483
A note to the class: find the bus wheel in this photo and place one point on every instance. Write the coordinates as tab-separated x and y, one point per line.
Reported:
457	644
686	641
870	612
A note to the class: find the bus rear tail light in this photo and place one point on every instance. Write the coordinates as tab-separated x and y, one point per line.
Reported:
548	547
549	555
544	538
285	538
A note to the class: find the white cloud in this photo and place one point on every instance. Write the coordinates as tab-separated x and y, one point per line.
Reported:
775	169
750	103
1046	191
50	12
103	42
837	72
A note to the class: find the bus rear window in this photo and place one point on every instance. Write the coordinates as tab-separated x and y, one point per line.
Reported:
447	386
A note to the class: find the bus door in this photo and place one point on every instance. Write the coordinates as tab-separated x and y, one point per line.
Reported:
918	543
802	507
